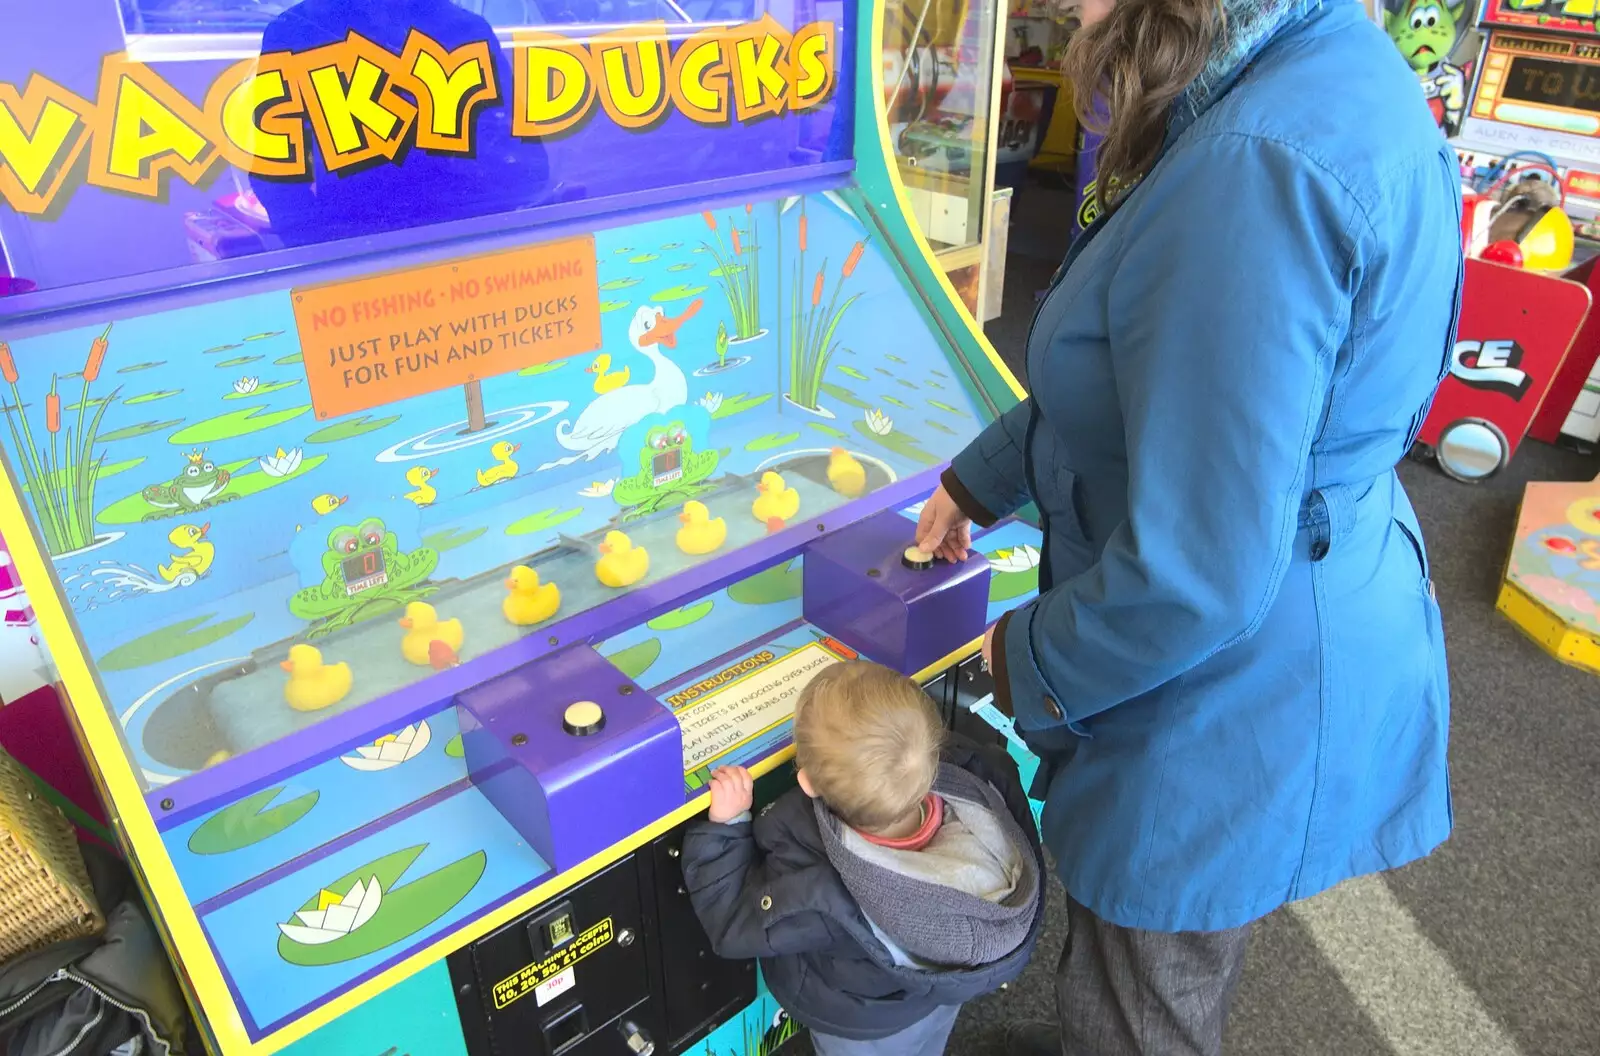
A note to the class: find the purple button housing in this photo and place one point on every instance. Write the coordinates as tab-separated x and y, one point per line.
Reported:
571	796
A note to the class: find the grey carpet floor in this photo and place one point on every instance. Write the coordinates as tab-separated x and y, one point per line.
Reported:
1491	947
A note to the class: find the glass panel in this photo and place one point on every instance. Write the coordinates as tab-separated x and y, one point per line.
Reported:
269	127
938	78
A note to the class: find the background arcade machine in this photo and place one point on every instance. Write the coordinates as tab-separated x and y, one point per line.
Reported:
409	567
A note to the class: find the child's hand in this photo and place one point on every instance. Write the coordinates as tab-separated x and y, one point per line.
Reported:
733	790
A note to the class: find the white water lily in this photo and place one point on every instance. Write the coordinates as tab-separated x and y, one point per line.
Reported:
711	401
1019	559
391	749
283	463
879	422
335	917
245	386
599	489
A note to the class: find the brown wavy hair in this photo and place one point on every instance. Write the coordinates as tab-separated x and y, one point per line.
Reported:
1138	60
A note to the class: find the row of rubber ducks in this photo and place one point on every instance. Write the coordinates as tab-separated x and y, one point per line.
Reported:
428	642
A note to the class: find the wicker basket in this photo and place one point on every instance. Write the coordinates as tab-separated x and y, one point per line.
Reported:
45	894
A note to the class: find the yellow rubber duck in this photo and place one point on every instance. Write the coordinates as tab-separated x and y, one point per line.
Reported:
528	601
621	563
606	379
778	501
848	477
326	503
312	684
505	469
430	641
200	554
700	534
425	493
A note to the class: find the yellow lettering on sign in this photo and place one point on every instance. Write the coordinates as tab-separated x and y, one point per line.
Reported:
813	65
43	131
633	73
1579	9
699	78
760	73
554	83
29	155
449	86
524	981
146	130
355	111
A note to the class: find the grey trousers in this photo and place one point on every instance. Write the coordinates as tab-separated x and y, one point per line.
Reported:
1127	992
926	1037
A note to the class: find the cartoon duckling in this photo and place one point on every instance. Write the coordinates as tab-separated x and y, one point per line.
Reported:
312	684
424	493
326	503
528	601
504	469
621	563
777	500
430	641
847	476
606	379
188	537
700	534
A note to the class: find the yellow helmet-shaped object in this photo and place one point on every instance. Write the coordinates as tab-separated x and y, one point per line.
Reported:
1546	240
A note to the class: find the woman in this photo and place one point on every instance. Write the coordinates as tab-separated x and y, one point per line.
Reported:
1234	672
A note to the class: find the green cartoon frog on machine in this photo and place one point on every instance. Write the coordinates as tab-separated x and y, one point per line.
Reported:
670	472
201	484
365	574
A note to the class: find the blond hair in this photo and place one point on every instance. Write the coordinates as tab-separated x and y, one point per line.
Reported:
868	740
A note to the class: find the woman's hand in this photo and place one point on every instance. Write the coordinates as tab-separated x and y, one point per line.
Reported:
732	792
943	530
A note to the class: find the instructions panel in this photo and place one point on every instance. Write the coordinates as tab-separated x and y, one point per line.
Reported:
743	701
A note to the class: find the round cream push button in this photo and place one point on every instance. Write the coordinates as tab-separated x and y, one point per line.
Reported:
583	718
917	559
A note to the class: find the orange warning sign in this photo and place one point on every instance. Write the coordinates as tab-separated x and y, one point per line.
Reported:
389	337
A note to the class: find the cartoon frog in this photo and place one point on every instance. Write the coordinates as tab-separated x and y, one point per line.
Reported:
397	578
670	472
1425	31
201	484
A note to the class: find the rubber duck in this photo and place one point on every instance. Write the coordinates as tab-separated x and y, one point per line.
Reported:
848	477
777	499
312	684
425	493
423	628
504	469
527	600
606	379
190	538
326	503
621	563
700	534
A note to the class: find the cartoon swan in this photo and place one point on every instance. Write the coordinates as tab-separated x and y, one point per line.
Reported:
602	423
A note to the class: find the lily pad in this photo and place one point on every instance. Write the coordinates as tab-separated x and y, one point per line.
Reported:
263	337
403	911
62	476
134	368
242	422
88	405
728	271
1003	586
538	522
171	641
644	258
940	426
249	821
701	249
892	358
677	618
770	441
844	395
291	358
897	402
678	292
769	586
541	368
827	430
611	306
738	404
934	385
947	408
620	284
214	349
238	361
454	748
263	389
351	428
685	266
851	372
450	538
899	443
635	660
623	249
907	384
128	432
131	509
672	245
885	373
152	397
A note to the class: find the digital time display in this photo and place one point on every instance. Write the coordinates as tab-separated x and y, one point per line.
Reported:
1548	82
364	571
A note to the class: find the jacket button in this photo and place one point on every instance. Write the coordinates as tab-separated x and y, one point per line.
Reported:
766	901
1319	550
1053	709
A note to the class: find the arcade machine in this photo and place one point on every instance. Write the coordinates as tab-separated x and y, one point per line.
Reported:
436	436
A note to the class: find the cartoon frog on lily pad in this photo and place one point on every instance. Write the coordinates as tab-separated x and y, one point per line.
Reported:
201	484
669	469
363	554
